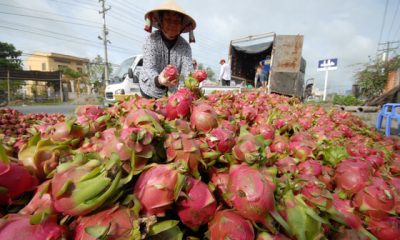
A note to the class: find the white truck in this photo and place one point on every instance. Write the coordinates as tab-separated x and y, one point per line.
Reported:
125	80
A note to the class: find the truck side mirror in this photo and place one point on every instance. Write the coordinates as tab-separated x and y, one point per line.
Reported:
130	73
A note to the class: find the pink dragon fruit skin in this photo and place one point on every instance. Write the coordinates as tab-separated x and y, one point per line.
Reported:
310	167
376	200
251	194
118	219
179	104
203	118
171	72
199	207
385	229
18	227
155	189
17	180
200	75
41	201
222	139
352	175
228	224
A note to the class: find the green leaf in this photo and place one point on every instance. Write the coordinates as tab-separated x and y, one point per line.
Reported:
162	226
98	231
334	154
3	156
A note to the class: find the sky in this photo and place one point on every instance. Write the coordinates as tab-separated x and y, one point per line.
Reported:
350	30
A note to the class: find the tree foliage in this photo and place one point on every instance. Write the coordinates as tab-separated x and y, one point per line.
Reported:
96	69
9	57
373	77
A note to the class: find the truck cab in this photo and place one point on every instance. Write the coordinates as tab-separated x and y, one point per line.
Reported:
125	80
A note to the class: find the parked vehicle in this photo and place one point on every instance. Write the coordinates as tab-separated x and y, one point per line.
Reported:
287	69
125	80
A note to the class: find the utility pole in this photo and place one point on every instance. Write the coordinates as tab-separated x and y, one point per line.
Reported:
387	49
104	38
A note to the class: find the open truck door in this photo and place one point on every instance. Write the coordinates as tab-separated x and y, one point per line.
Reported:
287	69
287	66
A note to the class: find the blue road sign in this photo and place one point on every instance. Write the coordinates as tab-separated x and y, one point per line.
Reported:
327	64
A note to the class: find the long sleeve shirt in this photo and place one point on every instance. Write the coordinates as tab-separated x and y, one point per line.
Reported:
156	56
225	72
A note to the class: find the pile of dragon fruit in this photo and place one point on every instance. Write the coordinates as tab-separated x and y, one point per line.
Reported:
224	166
15	126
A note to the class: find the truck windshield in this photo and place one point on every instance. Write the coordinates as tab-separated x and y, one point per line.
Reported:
121	72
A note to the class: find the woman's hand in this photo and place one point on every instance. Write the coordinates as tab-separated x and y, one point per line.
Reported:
168	79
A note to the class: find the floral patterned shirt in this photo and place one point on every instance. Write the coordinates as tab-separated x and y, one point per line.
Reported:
156	56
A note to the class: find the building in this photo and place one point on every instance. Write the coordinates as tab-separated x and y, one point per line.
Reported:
49	62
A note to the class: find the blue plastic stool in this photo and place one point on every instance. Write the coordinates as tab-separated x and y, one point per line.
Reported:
390	111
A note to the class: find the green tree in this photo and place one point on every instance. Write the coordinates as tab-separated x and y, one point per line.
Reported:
373	77
9	57
96	69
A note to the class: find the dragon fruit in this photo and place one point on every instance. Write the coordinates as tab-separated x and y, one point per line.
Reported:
252	195
280	144
200	75
376	199
340	210
41	201
385	229
228	224
157	188
198	206
115	223
14	181
82	186
219	182
248	148
185	151
107	143
304	223
144	118
203	118
221	139
352	175
22	227
179	104
170	72
310	167
41	156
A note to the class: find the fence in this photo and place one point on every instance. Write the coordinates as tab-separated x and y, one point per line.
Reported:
27	87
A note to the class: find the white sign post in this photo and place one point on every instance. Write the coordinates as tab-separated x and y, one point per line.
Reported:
326	65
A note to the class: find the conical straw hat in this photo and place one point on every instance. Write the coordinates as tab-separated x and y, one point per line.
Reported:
170	5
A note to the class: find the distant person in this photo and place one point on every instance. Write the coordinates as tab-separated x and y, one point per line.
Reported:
225	73
259	69
266	64
164	47
194	63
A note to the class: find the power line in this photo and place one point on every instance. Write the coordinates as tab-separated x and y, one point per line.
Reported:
394	17
45	12
124	50
383	22
49	19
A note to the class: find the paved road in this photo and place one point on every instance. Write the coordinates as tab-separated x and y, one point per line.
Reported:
64	108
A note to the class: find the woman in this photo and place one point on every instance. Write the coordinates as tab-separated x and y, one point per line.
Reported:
166	47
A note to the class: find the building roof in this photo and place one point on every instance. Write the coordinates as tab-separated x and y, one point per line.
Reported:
59	55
